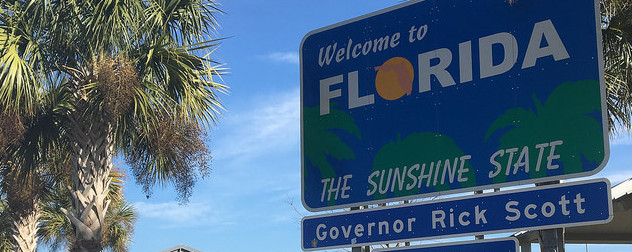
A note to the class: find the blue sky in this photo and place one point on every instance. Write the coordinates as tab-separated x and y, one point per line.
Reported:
251	200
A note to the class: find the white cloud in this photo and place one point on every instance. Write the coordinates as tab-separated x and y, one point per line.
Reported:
614	177
618	177
283	57
256	157
172	214
621	139
272	126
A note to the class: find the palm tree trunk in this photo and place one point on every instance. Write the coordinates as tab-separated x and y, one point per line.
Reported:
92	146
25	231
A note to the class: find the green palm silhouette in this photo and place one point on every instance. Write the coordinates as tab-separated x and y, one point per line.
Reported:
418	149
320	142
571	114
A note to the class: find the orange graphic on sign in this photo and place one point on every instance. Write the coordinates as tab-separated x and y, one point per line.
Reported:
394	78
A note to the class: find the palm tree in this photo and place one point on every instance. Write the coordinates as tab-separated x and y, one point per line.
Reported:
22	200
129	77
6	230
22	191
616	30
41	191
56	230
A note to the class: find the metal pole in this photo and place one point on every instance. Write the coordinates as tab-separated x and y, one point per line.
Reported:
551	240
406	244
479	237
356	249
360	249
525	247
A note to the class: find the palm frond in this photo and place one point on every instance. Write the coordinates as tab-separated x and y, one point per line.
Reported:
120	226
43	144
113	24
6	233
189	21
185	79
55	229
173	151
617	48
20	88
509	119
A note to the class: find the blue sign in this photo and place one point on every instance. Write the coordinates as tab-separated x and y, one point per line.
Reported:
487	245
562	205
437	97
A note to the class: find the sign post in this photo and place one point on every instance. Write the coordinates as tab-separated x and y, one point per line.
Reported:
437	97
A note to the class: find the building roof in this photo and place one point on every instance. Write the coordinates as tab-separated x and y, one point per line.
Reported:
181	248
618	231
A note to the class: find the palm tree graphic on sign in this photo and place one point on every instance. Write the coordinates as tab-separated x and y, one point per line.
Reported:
321	142
571	114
